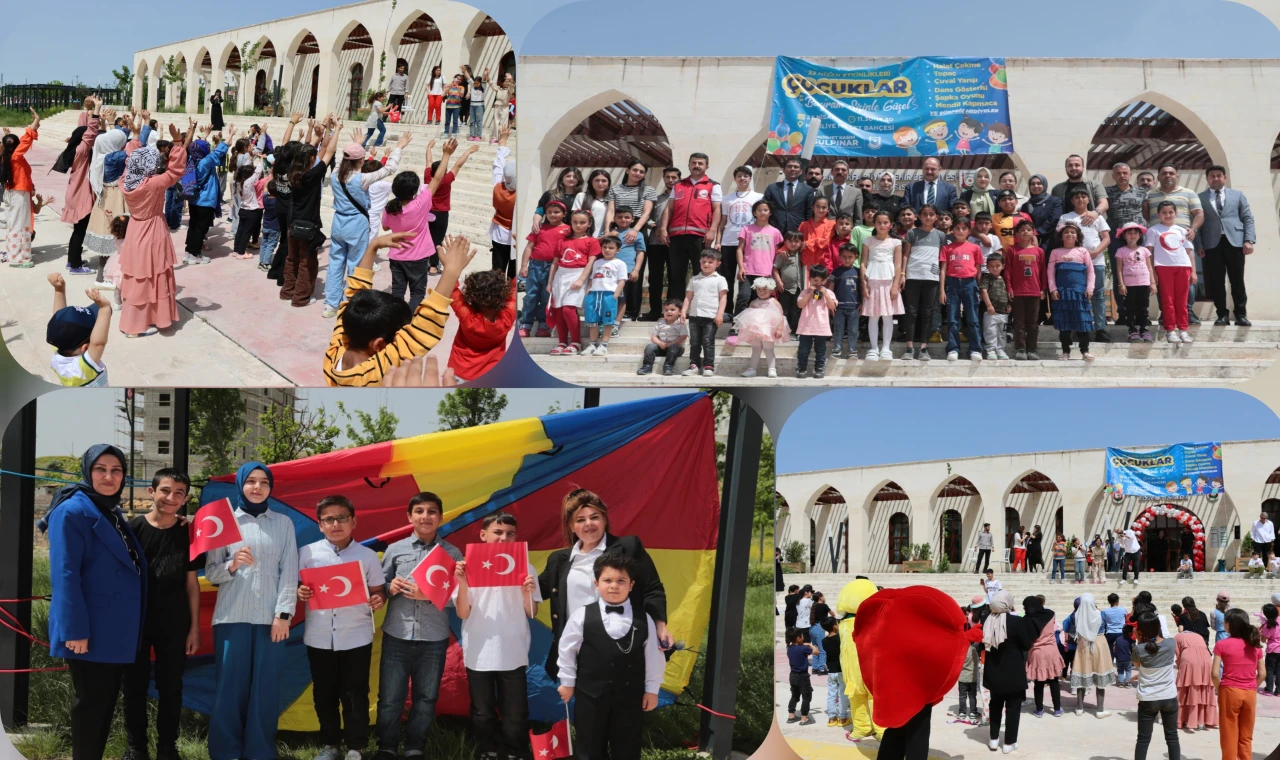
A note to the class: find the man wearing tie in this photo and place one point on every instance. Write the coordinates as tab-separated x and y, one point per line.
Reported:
790	201
1225	239
931	189
844	196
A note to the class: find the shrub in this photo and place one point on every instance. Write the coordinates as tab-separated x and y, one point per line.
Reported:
794	552
759	574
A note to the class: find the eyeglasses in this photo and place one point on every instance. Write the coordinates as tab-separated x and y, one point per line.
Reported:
335	520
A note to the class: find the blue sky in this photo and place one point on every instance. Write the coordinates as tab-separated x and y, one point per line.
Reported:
837	429
89	39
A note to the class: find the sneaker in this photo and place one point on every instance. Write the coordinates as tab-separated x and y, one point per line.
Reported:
1087	356
614	332
202	259
329	312
1186	337
818	375
1057	713
377	267
590	350
82	270
1038	713
793	719
1172	336
1032	356
802	373
1103	714
644	370
990	356
329	753
749	373
773	373
922	354
974	356
558	350
1000	354
1135	337
1079	711
668	370
953	355
872	355
543	333
708	371
602	349
264	267
907	356
1010	748
692	371
993	744
1146	337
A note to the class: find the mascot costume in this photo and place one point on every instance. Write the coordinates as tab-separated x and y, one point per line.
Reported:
847	605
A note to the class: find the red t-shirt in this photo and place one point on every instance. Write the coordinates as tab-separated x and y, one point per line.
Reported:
1024	271
440	201
961	259
479	344
546	241
574	253
833	252
1239	663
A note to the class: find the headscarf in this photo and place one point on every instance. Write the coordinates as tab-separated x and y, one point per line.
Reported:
242	475
85	484
1035	614
509	174
68	155
196	153
995	630
1088	619
1275	598
142	164
113	168
107	143
1037	199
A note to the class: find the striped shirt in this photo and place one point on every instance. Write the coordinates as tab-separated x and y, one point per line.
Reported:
259	592
414	339
632	197
409	619
345	627
1184	201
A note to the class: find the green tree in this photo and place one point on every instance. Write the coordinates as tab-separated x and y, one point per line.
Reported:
124	82
217	423
766	495
556	408
469	407
372	429
290	434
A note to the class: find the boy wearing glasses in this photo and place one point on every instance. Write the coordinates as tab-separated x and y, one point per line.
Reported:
340	641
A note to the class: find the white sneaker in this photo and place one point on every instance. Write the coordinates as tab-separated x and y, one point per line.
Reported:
773	373
329	312
709	372
1172	336
1008	748
693	370
1003	355
1104	714
1186	337
749	373
872	355
953	356
602	350
886	354
1079	711
994	744
974	356
590	350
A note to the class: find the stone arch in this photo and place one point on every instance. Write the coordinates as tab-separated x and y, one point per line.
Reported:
142	81
1036	497
485	44
352	51
200	73
571	119
303	54
614	136
1190	530
951	532
829	542
417	40
157	78
957	493
224	59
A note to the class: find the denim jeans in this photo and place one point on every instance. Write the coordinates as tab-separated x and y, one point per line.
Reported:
382	134
536	294
962	292
815	635
1168	711
451	121
423	661
1059	569
1079	570
702	342
837	699
845	328
344	254
477	120
270	239
818	343
1099	299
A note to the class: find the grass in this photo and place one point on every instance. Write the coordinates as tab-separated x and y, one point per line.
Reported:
670	733
21	117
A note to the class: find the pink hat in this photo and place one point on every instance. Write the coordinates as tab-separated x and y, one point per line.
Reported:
354	152
1130	226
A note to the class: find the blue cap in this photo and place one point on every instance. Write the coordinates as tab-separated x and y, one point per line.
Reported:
70	327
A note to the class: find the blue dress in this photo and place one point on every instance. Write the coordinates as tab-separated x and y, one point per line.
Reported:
1072	310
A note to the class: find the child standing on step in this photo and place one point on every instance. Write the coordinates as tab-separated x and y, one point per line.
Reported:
788	275
846	282
882	278
798	653
705	299
535	269
1025	274
1071	283
815	323
1137	281
1172	252
608	277
570	272
761	325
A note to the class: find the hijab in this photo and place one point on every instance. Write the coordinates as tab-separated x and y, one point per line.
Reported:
242	475
1088	620
68	155
509	175
1038	199
142	164
110	142
1035	614
995	629
85	484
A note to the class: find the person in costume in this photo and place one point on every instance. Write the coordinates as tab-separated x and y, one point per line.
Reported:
847	604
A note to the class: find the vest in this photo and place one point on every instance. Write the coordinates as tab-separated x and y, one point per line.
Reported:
504	205
603	668
691	207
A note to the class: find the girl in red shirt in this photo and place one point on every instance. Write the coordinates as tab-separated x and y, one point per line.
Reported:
535	268
568	282
1024	272
817	235
485	306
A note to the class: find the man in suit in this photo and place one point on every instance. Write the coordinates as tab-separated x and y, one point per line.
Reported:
790	201
1226	237
844	196
931	189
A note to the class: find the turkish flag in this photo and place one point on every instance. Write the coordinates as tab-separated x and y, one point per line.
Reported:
553	744
213	527
436	588
335	586
505	564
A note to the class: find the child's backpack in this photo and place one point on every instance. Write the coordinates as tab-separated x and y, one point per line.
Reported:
190	187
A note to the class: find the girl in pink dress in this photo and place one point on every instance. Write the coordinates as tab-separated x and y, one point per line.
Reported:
761	325
147	287
1044	661
1197	703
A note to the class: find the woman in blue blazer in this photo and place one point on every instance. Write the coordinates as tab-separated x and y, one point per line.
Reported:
99	577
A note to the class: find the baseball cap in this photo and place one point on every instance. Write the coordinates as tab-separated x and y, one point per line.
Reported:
354	151
1007	194
70	327
1224	596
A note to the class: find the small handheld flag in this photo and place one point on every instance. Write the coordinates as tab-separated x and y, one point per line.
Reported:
335	586
213	527
553	744
505	564
434	576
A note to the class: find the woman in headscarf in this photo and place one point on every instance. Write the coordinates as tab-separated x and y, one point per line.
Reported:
1044	661
78	201
1035	550
257	581
215	110
106	167
147	286
982	196
99	577
1007	638
1092	664
203	163
1197	700
884	197
1043	208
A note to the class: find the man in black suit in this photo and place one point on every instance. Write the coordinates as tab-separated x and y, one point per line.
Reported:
790	201
931	189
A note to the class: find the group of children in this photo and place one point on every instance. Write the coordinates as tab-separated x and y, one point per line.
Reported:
813	644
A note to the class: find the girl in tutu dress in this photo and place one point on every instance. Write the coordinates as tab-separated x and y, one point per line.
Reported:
1197	703
881	270
761	325
1071	286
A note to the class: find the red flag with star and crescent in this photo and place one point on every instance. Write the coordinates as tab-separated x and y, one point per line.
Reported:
553	744
335	586
434	576
213	527
505	564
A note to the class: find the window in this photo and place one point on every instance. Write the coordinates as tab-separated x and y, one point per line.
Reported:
356	90
164	423
1010	526
951	526
162	447
899	538
165	399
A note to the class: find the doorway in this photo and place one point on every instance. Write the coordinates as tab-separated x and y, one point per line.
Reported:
1164	542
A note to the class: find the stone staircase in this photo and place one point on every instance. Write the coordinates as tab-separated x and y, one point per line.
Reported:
1219	355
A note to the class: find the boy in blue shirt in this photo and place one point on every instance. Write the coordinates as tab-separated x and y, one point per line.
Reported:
1113	620
798	653
631	254
1124	657
844	281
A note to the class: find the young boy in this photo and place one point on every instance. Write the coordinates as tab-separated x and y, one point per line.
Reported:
958	288
667	340
632	255
495	648
865	230
340	641
982	236
1004	222
79	333
960	209
172	624
535	268
1185	568
703	310
1256	566
608	278
415	635
838	710
609	658
787	273
1026	280
840	237
996	306
1124	657
798	653
1096	238
844	282
375	331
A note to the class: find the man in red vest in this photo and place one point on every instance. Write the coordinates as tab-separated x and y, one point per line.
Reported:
689	222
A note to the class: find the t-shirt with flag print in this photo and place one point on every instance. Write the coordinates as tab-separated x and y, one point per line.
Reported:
1169	245
574	253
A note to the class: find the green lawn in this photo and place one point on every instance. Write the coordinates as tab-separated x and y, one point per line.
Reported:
13	117
669	732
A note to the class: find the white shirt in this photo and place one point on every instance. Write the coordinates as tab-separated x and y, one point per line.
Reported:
607	273
581	583
1131	545
1018	541
346	627
379	194
706	292
616	625
993	587
1169	246
803	608
1263	532
495	636
1091	234
736	209
1256	562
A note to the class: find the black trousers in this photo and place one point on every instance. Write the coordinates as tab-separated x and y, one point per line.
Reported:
918	297
1130	560
198	227
984	561
631	295
790	308
608	727
1222	263
656	259
171	659
500	256
1011	705
1263	549
75	246
911	741
395	100
341	678
504	692
439	227
684	252
1055	694
1137	304
729	270
1064	339
1167	709
411	275
97	687
801	693
702	342
247	229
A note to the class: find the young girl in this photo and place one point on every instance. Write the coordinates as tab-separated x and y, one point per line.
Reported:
435	95
1137	280
1237	673
1269	627
409	210
240	155
244	188
1092	664
575	256
15	180
1157	686
971	670
1025	272
818	613
1044	661
485	305
881	266
1175	272
453	95
762	324
475	123
1020	550
1059	568
1071	286
1078	555
1197	704
596	200
375	122
817	234
920	250
817	304
535	266
756	246
1098	553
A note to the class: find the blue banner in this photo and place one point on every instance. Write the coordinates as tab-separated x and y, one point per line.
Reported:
919	107
1178	471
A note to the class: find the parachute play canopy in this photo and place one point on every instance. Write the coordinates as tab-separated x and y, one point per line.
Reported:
651	461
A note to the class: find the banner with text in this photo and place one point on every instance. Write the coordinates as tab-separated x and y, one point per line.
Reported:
919	107
1178	471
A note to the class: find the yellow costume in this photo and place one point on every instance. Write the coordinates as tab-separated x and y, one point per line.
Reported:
851	597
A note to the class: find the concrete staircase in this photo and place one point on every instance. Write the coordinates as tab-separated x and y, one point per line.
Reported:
1219	355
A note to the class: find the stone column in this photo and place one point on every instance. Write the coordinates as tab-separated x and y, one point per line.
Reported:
192	104
138	96
153	90
327	97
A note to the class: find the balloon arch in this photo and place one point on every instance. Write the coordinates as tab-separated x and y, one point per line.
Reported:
1183	517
